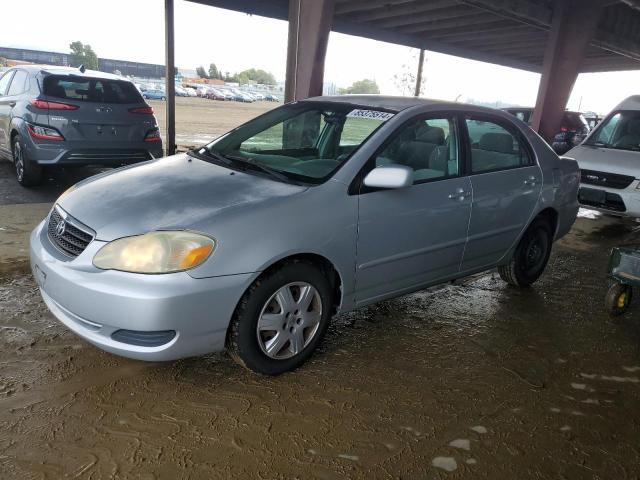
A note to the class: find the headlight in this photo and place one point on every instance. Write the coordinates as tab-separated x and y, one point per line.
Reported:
155	252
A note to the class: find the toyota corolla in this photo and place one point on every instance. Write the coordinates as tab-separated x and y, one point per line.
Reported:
255	241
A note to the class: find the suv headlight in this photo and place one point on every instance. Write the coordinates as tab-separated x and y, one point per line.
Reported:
155	252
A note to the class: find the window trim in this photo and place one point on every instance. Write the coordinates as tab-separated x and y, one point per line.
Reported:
26	81
357	187
510	128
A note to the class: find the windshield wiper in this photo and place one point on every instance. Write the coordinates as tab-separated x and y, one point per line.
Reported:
206	154
598	144
259	167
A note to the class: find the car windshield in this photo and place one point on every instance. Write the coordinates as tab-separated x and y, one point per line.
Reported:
620	131
305	141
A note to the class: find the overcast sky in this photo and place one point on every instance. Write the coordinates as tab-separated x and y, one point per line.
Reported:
133	30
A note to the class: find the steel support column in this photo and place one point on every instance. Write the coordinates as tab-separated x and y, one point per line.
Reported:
309	27
573	26
170	83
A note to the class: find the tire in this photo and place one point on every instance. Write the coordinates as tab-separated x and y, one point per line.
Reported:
267	333
163	98
530	257
617	299
28	173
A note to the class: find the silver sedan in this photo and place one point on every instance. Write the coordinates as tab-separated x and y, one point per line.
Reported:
253	242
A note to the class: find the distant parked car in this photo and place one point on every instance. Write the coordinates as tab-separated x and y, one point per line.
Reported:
155	94
191	92
214	94
202	91
269	97
609	161
52	116
593	119
181	92
255	241
573	129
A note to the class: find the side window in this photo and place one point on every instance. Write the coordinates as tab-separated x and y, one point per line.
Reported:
18	84
428	146
4	82
493	147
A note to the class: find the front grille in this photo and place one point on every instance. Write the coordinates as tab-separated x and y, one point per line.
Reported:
604	179
67	234
110	157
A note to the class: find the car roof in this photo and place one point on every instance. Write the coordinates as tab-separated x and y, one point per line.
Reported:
394	103
71	71
629	103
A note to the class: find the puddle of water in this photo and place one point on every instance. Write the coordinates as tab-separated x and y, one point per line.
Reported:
461	443
447	464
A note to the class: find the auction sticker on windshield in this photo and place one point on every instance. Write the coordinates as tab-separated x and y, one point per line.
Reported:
372	114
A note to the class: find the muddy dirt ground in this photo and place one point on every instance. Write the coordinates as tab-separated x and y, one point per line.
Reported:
474	380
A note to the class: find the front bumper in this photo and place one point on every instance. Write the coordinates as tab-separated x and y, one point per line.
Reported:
622	202
95	303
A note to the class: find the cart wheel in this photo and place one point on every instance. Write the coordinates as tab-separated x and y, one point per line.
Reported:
618	299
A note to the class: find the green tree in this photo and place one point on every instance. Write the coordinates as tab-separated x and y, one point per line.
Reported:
254	76
213	71
201	72
83	55
361	86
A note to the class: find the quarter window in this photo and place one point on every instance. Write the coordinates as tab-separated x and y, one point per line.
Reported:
429	147
18	83
493	147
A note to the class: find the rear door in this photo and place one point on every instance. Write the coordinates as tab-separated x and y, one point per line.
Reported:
5	109
101	116
506	183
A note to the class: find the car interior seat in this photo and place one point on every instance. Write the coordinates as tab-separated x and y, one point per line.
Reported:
632	136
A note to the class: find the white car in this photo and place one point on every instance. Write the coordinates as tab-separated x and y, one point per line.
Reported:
191	92
609	161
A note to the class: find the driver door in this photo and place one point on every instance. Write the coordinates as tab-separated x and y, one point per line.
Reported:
415	236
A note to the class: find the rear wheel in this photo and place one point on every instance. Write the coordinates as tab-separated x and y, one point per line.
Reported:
530	257
28	173
281	319
617	299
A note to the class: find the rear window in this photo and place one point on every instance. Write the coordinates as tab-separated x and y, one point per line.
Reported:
91	89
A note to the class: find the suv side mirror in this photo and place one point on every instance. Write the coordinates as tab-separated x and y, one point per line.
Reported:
390	176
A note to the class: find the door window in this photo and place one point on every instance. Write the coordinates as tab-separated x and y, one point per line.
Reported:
4	83
18	84
493	147
429	147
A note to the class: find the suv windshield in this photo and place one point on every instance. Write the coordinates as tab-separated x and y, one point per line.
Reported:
620	130
305	141
91	89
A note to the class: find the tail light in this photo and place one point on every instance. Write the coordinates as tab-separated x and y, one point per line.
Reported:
44	133
143	110
46	105
153	135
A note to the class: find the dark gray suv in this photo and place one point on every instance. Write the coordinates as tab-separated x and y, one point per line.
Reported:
52	116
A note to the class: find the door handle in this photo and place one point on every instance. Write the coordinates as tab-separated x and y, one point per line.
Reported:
12	104
531	181
459	195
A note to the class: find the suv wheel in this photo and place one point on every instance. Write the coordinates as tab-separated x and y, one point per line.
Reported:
530	257
281	319
28	173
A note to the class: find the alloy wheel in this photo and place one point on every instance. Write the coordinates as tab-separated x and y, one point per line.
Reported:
289	320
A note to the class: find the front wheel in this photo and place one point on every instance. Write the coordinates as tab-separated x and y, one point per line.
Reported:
28	173
530	257
281	319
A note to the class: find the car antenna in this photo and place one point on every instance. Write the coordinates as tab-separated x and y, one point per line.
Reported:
82	68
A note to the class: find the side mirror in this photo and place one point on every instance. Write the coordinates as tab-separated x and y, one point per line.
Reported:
389	176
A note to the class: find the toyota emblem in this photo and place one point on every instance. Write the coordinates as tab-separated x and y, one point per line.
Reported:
60	228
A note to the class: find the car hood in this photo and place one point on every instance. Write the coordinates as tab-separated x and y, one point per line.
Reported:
610	160
179	192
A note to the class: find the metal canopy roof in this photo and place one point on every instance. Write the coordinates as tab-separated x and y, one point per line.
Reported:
505	32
